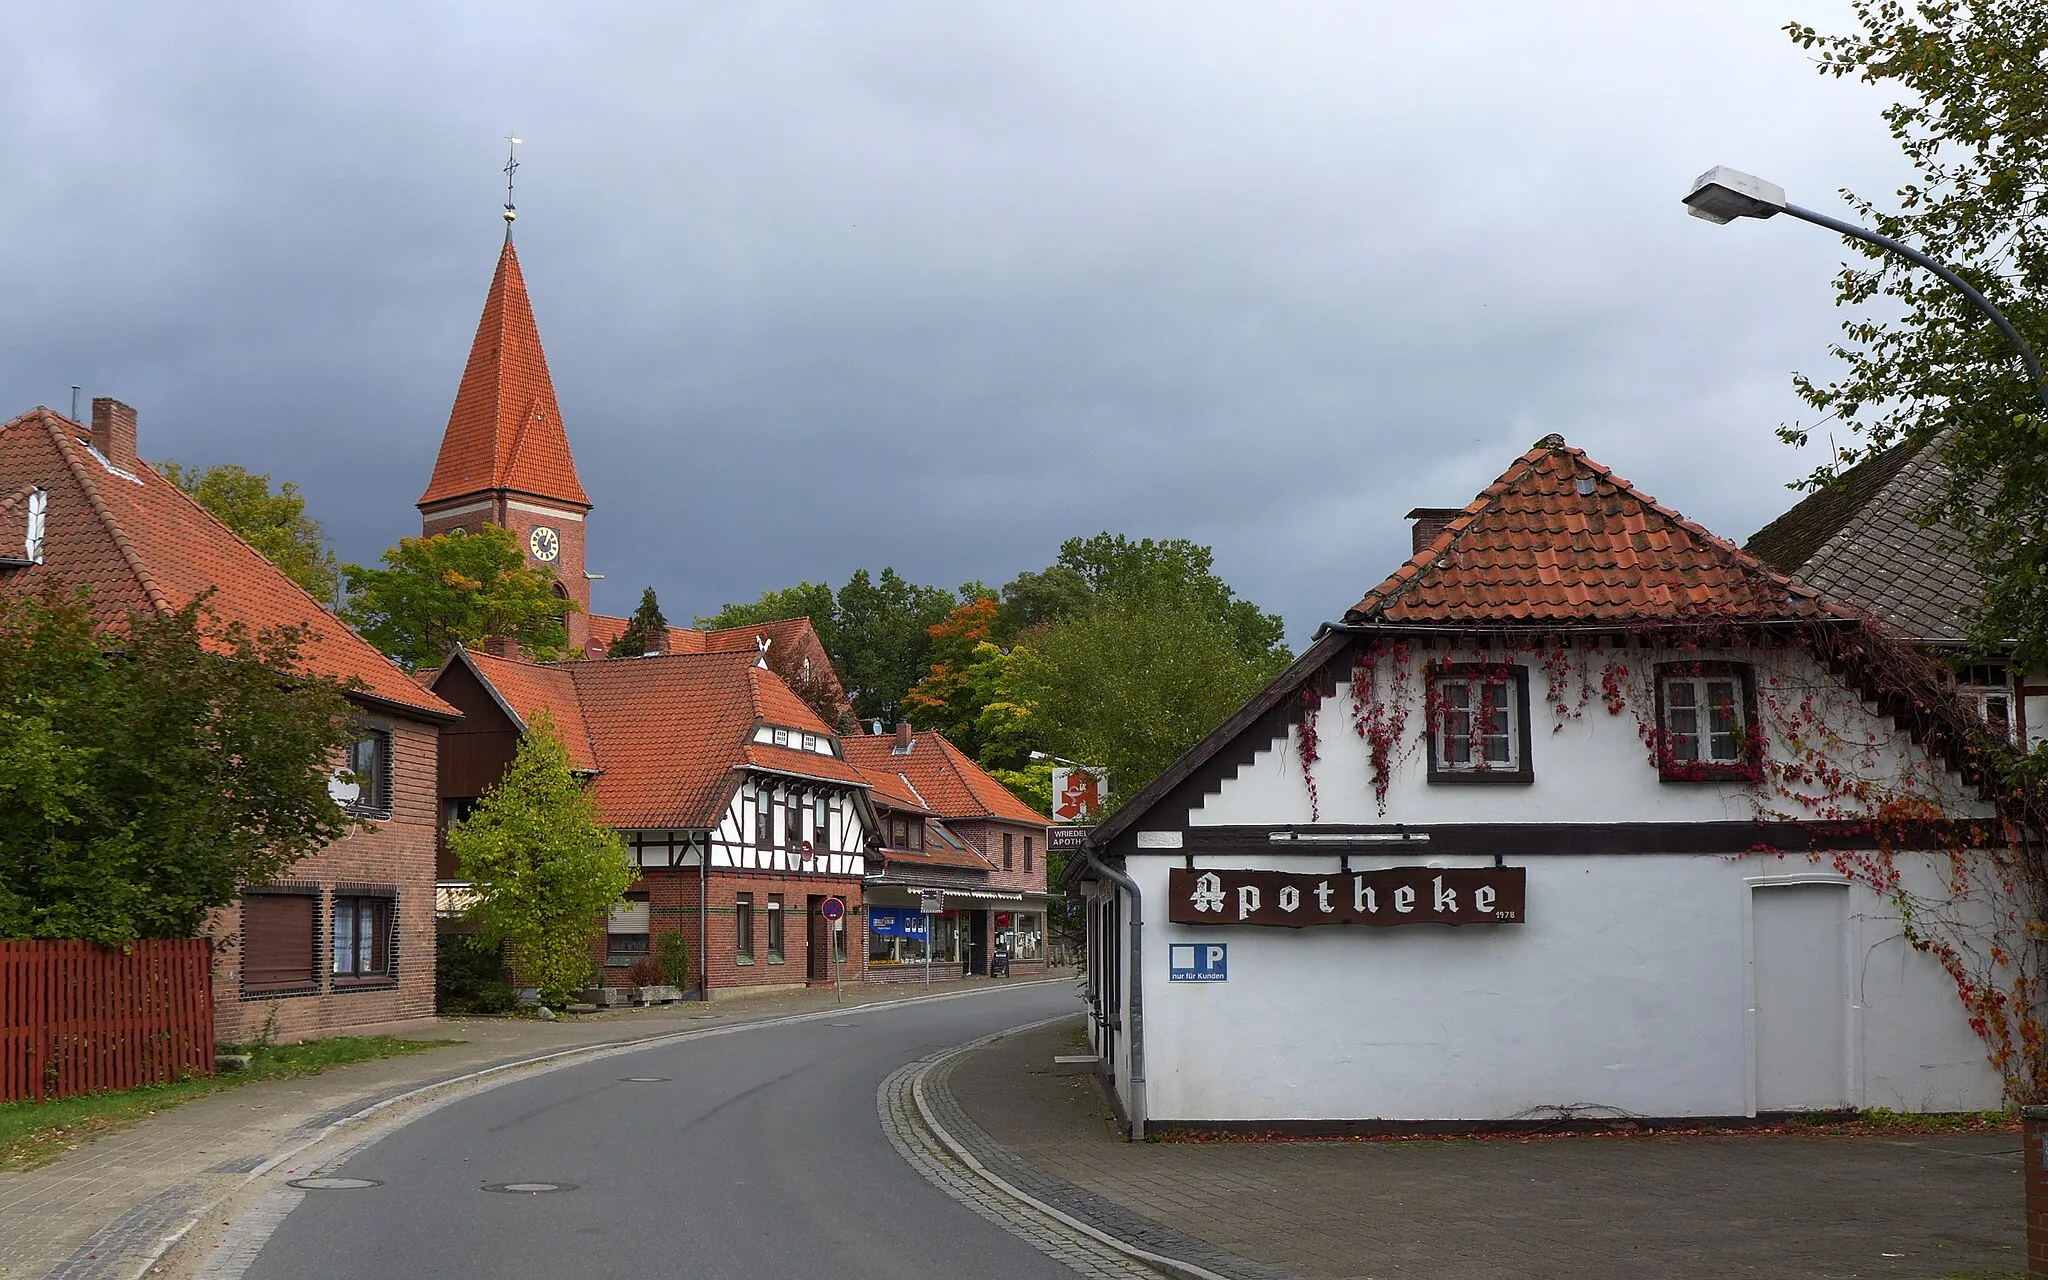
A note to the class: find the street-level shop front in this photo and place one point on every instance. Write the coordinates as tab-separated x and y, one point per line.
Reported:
974	933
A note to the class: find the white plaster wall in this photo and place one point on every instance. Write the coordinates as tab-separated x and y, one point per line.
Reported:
1627	988
1591	768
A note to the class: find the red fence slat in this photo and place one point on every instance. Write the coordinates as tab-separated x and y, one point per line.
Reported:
76	1017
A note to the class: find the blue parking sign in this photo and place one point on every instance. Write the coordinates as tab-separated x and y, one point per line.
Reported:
1198	962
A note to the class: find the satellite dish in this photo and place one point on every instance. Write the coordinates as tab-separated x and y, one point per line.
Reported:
343	788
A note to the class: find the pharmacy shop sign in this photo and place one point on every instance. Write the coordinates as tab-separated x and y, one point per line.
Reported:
1399	895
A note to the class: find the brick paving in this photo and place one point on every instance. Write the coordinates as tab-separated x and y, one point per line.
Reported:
102	1208
1673	1206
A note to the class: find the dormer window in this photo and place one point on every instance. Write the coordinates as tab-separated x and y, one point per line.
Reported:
782	737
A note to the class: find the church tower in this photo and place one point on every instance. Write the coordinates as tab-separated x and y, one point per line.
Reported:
505	458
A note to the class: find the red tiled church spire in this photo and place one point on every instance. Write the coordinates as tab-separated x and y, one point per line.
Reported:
505	457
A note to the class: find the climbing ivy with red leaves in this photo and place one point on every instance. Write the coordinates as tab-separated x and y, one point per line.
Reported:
1809	757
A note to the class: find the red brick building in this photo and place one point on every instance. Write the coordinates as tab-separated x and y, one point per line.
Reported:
347	939
922	773
688	755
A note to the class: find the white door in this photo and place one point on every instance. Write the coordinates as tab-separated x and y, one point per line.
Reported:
1799	966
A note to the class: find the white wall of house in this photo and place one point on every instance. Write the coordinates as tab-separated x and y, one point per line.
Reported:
733	843
1638	982
1629	987
1592	767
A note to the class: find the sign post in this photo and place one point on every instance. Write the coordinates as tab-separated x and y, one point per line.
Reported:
932	903
834	911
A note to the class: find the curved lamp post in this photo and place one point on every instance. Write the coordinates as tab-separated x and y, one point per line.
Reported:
1721	195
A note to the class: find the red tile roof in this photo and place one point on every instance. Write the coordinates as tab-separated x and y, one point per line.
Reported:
667	736
1561	539
506	431
138	542
526	687
952	784
784	633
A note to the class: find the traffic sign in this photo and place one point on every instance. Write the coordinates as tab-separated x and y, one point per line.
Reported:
932	902
1199	962
832	908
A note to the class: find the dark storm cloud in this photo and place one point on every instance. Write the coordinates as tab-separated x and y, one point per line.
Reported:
937	285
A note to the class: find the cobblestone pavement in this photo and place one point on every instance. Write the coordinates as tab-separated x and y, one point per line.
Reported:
1676	1206
106	1208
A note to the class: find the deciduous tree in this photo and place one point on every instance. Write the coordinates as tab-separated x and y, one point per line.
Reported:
543	864
274	523
1922	364
149	771
456	589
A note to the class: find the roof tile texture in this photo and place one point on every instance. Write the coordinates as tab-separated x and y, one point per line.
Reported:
506	431
952	784
667	736
138	542
1861	541
1534	549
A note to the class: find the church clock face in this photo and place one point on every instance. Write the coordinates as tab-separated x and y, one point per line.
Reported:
545	543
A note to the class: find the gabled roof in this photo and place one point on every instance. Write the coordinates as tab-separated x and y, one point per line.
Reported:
950	783
667	737
138	543
1561	540
1860	540
506	431
523	688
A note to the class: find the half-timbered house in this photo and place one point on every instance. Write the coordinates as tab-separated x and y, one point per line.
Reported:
736	801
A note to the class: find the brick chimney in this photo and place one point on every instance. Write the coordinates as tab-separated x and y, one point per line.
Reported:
902	747
500	647
1429	524
113	431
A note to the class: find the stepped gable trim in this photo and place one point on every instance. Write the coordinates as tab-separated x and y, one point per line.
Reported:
1429	564
1201	772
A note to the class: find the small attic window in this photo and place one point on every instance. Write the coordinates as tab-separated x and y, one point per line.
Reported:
782	737
1585	485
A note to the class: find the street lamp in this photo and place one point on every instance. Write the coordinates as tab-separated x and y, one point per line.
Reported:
1721	195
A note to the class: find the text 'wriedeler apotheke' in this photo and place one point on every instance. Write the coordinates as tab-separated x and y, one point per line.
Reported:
1397	895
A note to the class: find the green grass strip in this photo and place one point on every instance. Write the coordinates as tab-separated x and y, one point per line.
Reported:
35	1133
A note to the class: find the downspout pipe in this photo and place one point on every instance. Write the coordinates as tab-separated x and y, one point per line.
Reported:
704	920
1137	984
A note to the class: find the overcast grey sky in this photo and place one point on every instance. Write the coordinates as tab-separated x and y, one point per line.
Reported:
830	285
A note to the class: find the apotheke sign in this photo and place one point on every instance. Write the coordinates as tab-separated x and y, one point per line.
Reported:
1399	895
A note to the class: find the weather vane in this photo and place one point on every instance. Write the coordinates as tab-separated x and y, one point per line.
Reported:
511	168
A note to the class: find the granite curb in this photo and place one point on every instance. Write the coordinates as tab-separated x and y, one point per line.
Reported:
1156	1244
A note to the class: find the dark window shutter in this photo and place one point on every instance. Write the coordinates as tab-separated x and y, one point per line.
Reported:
277	942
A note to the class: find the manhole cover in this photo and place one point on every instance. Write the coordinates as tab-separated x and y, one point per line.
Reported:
334	1184
643	1079
529	1188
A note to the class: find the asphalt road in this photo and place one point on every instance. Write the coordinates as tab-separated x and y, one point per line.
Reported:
758	1155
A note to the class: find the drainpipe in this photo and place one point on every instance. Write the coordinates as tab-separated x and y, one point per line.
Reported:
703	921
1137	980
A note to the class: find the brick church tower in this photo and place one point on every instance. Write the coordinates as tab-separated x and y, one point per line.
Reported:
505	459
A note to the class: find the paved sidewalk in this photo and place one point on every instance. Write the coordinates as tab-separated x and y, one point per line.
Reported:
1738	1205
101	1209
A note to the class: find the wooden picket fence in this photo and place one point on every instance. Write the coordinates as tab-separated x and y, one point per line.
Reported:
77	1017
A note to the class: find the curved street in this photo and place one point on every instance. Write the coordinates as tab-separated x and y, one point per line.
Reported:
754	1154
